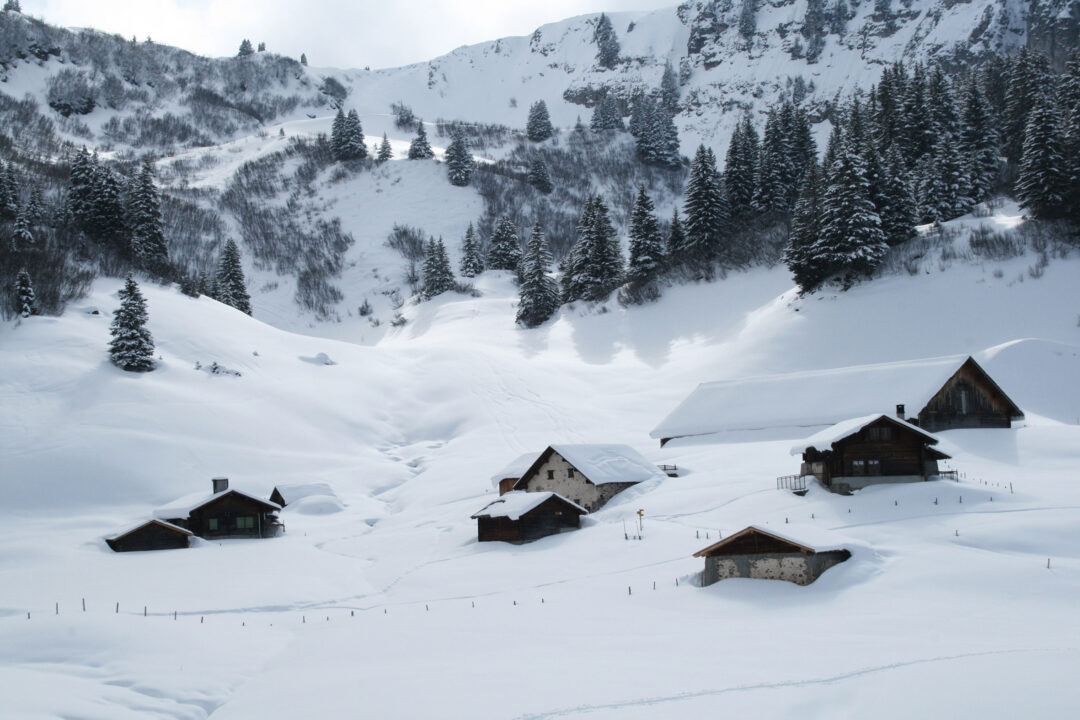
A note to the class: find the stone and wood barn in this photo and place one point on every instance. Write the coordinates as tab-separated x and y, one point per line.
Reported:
225	513
935	394
519	517
506	478
868	451
150	535
757	553
588	475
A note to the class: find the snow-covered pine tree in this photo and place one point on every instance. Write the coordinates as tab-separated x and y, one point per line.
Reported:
941	103
538	127
35	206
1071	134
601	269
471	262
538	176
132	345
747	20
245	48
705	208
230	285
1042	184
539	294
978	140
898	216
740	167
606	115
385	153
337	136
573	265
459	161
354	147
607	45
641	127
953	197
669	90
21	237
646	251
675	248
12	6
1028	80
770	191
24	295
799	255
504	250
303	59
81	189
851	243
420	148
148	245
438	277
107	218
663	138
9	193
918	132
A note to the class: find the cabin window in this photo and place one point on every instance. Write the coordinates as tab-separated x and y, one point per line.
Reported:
570	473
877	434
551	474
873	467
858	467
245	522
211	524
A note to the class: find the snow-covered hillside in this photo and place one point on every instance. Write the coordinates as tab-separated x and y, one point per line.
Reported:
948	590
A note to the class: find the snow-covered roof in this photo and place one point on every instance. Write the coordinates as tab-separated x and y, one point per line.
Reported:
516	468
824	439
291	492
155	521
813	399
609	463
188	504
808	537
516	503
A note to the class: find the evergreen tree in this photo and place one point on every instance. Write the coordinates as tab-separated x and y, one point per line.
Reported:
706	213
918	131
601	268
851	243
774	169
12	6
353	147
1042	185
24	294
538	175
148	245
799	255
663	139
1028	79
953	195
230	286
669	90
573	265
35	206
471	262
539	293
9	193
606	115
419	148
303	59
81	189
107	214
132	345
941	104
459	161
538	127
337	136
898	215
740	168
747	20
385	153
646	250
607	45
978	140
676	250
438	277
504	250
1071	135
245	48
22	238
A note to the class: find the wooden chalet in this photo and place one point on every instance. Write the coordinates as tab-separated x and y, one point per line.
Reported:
589	475
935	394
225	513
150	535
519	517
764	554
867	451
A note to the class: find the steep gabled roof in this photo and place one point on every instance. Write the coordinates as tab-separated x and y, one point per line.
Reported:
515	469
801	401
602	464
516	503
824	439
167	525
184	506
814	540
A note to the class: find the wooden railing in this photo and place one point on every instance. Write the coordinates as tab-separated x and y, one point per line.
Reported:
949	475
795	483
669	470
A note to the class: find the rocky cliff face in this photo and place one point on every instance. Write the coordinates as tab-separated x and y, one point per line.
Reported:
1053	27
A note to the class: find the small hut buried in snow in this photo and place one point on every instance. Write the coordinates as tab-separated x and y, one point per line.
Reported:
521	517
767	555
589	475
868	451
225	513
150	535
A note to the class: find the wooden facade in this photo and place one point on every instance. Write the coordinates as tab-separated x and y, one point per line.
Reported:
232	514
884	450
756	553
151	535
549	517
969	399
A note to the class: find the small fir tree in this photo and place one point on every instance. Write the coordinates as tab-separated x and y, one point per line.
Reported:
504	251
471	262
601	262
337	136
646	250
459	161
303	59
24	294
538	175
706	213
12	6
230	286
21	238
132	345
805	232
385	153
354	147
607	45
669	90
419	148
675	249
606	115
245	48
899	214
148	245
438	277
538	127
539	294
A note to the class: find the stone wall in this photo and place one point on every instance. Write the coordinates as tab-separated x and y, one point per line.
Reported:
571	484
794	567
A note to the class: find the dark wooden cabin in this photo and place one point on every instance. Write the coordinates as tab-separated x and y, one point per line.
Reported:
151	535
868	451
234	514
969	399
757	553
519	517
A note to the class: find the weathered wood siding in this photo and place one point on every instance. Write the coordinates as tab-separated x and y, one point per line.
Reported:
149	537
548	518
228	511
966	401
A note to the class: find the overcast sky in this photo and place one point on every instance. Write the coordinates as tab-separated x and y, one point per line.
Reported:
341	33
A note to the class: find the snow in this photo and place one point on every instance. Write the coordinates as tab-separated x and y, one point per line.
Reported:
291	492
824	439
515	469
609	463
516	503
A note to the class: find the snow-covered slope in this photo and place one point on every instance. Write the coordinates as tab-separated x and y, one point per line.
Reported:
391	606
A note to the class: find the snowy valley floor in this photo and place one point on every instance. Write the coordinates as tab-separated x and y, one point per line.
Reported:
390	608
